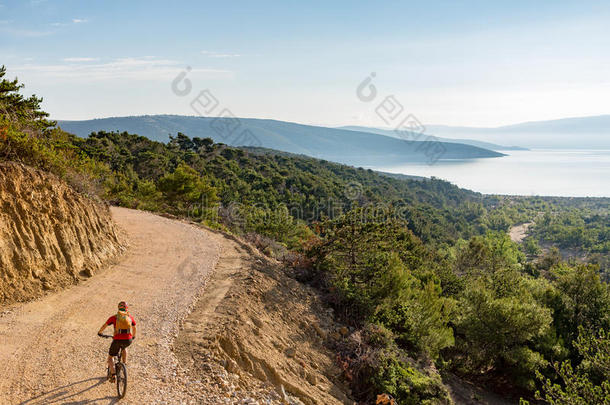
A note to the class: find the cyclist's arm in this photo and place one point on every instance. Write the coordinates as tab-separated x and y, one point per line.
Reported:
104	326
133	331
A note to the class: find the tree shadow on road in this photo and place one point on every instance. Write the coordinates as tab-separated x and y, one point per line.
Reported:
69	393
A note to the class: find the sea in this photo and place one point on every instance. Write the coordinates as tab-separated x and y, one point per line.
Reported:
538	172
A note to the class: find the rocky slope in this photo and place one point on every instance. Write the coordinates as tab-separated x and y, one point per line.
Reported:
257	336
50	235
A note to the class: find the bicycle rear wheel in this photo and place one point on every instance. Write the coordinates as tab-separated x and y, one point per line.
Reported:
121	380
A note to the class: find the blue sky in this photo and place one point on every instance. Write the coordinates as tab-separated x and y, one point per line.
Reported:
479	63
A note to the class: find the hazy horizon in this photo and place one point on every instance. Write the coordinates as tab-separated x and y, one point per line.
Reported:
340	126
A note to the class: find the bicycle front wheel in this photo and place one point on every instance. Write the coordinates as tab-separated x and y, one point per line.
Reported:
121	380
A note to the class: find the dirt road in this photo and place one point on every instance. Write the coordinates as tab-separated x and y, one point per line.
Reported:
519	232
49	350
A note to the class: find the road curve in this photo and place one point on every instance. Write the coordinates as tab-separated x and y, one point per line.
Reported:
49	350
518	232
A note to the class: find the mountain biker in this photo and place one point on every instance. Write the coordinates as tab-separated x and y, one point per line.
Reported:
124	333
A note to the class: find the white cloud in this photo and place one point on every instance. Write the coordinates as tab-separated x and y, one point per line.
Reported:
212	54
80	59
144	68
73	21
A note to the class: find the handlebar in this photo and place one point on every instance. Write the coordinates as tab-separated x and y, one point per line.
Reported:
110	336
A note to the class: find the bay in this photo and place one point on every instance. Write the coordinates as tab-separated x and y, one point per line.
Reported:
542	172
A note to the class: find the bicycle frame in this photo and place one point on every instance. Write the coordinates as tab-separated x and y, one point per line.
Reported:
119	357
120	371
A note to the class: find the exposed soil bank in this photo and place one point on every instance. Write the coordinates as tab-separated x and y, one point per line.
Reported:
50	235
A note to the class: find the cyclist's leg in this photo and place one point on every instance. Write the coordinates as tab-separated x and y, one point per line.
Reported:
113	351
110	364
125	344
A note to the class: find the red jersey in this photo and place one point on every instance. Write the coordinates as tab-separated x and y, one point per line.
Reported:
121	336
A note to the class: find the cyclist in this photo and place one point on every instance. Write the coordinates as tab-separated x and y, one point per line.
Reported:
124	333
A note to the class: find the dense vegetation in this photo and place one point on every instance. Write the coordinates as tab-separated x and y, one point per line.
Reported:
27	136
423	271
581	230
589	383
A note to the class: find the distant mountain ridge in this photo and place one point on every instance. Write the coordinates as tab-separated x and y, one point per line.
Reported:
338	145
472	142
570	133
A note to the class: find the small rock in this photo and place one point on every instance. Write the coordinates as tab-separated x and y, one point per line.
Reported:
283	394
232	366
321	332
311	378
290	352
258	322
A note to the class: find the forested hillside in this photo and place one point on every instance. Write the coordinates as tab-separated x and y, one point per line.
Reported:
338	145
424	272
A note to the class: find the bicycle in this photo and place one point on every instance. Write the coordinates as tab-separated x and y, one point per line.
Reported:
120	371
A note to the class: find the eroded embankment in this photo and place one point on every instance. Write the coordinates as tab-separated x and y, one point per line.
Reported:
258	336
50	235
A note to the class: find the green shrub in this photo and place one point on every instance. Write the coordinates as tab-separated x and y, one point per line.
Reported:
589	382
396	375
